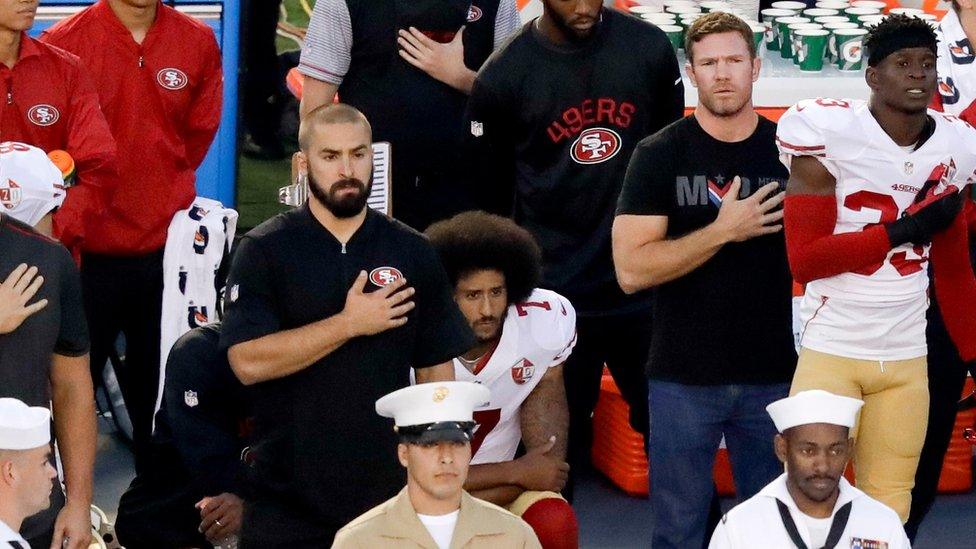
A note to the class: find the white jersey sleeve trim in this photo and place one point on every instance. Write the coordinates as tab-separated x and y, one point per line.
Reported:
328	44
507	21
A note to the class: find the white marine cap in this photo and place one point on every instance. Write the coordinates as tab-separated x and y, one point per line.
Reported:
23	427
30	184
814	406
429	412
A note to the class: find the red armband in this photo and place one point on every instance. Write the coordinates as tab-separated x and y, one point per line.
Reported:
815	251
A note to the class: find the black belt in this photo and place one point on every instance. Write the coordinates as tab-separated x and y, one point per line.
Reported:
837	526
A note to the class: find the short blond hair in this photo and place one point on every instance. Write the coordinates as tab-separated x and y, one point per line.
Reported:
718	23
330	113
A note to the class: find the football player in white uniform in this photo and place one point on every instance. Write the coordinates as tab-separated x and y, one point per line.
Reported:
524	336
874	186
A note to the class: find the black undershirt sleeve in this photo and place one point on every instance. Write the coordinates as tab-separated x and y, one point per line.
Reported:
670	90
73	332
250	309
442	332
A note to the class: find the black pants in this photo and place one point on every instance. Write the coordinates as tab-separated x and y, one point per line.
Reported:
621	342
124	295
947	375
261	82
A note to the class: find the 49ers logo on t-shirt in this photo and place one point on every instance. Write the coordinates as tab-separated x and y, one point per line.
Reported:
384	276
474	13
595	145
522	371
10	195
172	79
43	115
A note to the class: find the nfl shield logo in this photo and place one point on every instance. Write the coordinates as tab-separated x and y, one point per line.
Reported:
190	398
477	128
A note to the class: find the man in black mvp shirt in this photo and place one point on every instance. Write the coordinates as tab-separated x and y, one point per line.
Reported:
552	120
699	219
328	307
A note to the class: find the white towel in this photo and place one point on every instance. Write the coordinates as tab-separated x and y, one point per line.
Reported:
197	241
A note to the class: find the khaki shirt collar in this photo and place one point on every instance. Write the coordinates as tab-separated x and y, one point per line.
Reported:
401	522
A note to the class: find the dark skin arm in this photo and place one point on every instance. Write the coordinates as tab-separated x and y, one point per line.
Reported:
545	423
809	176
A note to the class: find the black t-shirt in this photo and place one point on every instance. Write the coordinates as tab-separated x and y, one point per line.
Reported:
321	451
729	320
196	446
59	328
553	129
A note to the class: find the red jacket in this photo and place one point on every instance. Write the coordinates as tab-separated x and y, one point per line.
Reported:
162	100
48	101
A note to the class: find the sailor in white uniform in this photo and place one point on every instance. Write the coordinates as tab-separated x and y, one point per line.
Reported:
812	506
25	467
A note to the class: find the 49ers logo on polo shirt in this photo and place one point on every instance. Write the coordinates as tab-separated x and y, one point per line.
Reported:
474	13
595	145
384	276
43	115
172	79
11	195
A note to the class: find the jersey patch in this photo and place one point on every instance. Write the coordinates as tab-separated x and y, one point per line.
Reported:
43	115
172	79
523	371
595	145
474	14
858	543
11	195
384	276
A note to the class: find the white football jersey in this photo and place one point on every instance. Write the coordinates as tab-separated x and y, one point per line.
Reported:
537	334
878	312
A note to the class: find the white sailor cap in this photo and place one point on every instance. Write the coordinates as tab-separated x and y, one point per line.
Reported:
814	406
430	412
23	427
31	185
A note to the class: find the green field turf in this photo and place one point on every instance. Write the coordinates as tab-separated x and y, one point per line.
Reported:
258	181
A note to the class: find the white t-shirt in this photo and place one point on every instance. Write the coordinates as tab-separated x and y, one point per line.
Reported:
818	528
877	312
7	535
441	527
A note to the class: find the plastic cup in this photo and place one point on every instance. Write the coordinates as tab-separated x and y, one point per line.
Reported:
850	49
831	52
831	19
711	5
876	4
927	17
911	12
669	3
640	10
871	20
854	13
659	18
769	16
795	40
838	5
758	35
814	13
783	28
680	10
811	44
675	35
688	19
789	5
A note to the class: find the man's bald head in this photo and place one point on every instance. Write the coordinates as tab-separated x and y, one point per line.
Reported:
330	113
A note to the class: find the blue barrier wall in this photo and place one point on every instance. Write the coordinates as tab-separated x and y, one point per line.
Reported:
217	176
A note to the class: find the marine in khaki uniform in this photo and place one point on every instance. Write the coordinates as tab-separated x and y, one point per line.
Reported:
434	423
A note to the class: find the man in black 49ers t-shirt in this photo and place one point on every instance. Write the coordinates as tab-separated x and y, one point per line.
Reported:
552	120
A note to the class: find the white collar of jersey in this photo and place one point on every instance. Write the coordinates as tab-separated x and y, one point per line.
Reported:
777	489
963	73
6	534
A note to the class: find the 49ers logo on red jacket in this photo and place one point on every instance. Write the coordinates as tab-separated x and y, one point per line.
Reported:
172	79
384	276
474	13
595	145
523	371
43	115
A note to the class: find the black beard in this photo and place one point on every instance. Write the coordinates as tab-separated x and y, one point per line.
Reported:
346	207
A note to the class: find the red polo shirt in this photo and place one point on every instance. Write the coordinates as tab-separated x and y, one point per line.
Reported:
162	100
47	100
